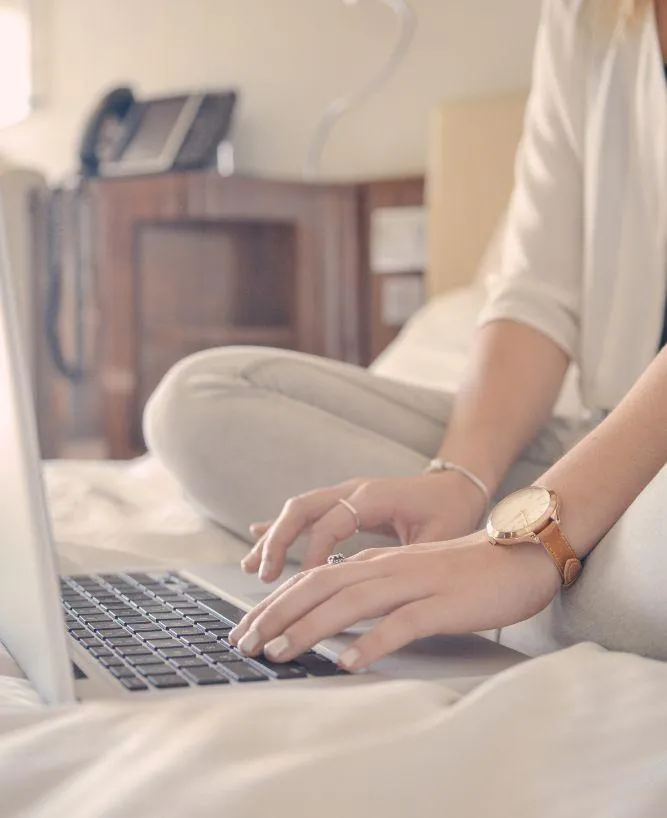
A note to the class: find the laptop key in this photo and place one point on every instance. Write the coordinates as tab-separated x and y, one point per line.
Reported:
79	633
219	632
201	639
156	669
185	630
221	656
122	671
144	659
96	618
110	661
133	684
178	652
225	609
186	662
101	653
200	594
206	676
318	665
164	643
285	670
154	633
167	681
208	619
123	642
142	627
242	672
90	642
111	632
155	609
169	618
135	650
188	610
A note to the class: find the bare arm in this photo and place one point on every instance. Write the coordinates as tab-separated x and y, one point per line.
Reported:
601	476
514	378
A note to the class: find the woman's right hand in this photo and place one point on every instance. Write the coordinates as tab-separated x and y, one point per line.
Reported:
420	509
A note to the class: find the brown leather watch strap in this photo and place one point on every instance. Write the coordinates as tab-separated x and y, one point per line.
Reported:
561	552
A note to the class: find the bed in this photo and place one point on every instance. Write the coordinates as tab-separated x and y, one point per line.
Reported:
578	732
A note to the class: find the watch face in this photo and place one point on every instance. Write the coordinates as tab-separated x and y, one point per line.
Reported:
521	512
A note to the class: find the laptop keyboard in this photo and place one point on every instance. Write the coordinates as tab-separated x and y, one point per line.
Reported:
160	631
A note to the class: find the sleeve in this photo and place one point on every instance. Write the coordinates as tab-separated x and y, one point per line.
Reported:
537	279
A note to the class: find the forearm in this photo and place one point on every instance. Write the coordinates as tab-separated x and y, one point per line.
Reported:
601	476
513	380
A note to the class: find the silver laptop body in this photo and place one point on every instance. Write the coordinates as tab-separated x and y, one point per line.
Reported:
35	625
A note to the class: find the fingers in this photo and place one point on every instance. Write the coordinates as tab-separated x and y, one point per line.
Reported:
415	620
237	633
372	503
250	563
297	515
284	605
335	526
363	600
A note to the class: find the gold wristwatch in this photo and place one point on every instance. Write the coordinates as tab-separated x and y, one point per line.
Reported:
531	515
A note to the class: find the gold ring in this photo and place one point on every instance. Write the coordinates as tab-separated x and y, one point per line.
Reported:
355	514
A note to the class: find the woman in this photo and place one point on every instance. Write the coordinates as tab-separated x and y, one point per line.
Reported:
582	276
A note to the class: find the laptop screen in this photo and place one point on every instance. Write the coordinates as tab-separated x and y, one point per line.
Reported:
31	620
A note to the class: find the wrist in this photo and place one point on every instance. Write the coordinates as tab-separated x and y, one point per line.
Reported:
463	495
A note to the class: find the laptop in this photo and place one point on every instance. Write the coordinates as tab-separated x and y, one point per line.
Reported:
151	633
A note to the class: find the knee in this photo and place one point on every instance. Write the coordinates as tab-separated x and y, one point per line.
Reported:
180	399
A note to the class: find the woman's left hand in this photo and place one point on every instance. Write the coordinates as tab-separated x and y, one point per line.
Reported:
462	586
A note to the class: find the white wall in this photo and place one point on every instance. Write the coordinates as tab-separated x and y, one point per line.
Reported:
289	58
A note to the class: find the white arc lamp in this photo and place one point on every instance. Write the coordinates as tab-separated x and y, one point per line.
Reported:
407	24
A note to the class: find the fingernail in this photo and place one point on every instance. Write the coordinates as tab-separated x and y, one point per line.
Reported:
233	634
246	565
349	659
277	647
250	641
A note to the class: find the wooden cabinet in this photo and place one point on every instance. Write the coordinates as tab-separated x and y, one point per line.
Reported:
184	262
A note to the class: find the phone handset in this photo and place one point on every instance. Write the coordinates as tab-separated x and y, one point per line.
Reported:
100	131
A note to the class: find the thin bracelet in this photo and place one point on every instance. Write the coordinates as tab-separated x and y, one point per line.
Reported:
438	465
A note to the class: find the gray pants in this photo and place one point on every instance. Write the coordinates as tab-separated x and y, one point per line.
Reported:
245	429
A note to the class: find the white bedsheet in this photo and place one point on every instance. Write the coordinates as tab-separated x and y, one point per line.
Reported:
114	514
579	733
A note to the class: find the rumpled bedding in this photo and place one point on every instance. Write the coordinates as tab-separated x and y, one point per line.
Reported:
581	732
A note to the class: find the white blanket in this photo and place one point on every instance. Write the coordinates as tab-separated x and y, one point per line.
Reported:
579	733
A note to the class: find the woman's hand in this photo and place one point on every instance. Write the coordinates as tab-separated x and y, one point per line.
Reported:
426	508
419	590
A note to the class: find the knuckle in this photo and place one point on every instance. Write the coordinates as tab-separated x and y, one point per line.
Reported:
367	489
366	554
294	505
322	576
